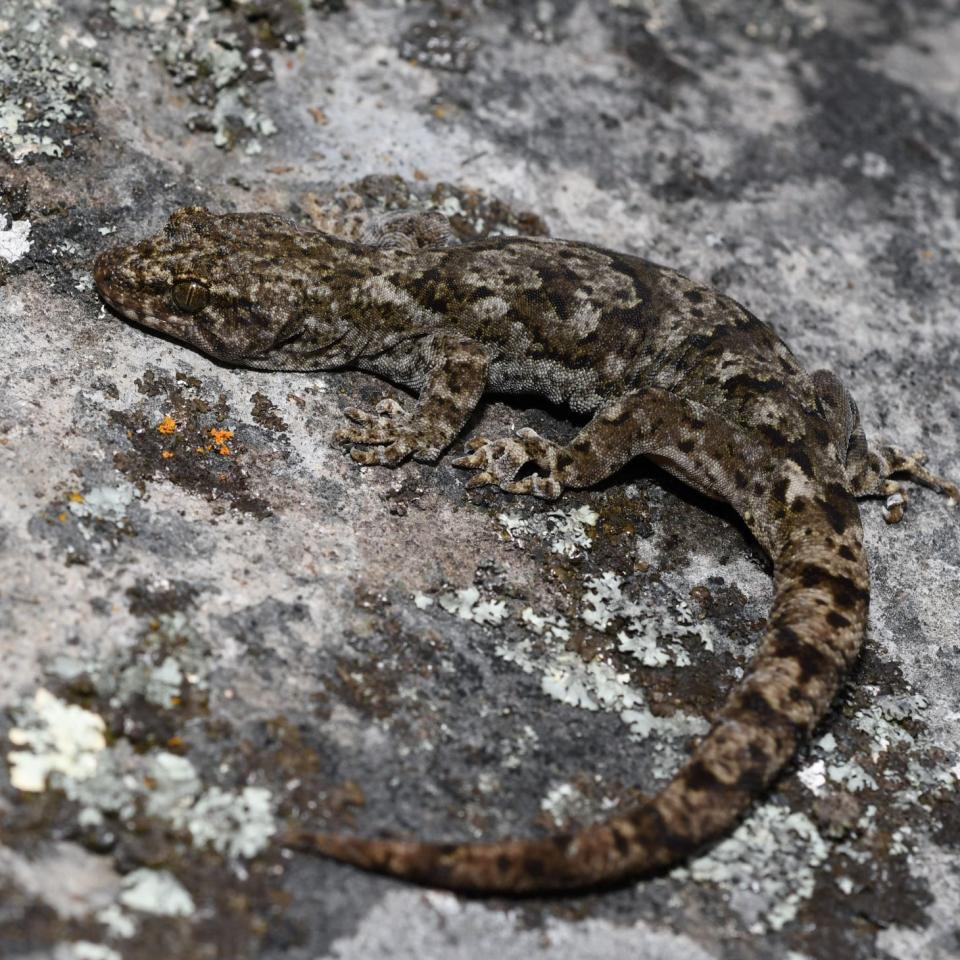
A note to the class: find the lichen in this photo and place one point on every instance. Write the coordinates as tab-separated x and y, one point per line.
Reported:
60	738
652	631
157	892
235	824
467	605
48	67
14	235
768	863
564	530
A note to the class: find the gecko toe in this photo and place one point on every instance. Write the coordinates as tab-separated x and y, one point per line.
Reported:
483	479
366	458
547	488
389	408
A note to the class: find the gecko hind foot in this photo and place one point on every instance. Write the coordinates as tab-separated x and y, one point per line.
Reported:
893	460
500	461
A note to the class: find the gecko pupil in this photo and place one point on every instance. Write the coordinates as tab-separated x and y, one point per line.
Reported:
189	296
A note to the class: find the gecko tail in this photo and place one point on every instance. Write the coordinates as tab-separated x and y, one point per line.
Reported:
589	858
815	630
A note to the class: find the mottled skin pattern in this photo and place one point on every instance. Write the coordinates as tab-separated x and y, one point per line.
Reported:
669	370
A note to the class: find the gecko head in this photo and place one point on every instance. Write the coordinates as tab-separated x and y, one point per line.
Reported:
249	289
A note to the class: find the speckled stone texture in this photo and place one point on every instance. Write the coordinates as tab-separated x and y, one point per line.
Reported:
212	622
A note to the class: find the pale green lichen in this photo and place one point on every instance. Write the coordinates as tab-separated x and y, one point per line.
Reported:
881	721
60	738
199	46
768	863
47	68
104	502
651	633
163	683
235	824
175	785
68	742
556	627
467	605
851	775
118	923
814	777
566	531
118	679
156	892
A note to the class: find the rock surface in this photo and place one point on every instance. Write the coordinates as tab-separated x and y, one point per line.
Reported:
211	622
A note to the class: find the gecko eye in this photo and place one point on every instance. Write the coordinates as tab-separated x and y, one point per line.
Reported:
190	296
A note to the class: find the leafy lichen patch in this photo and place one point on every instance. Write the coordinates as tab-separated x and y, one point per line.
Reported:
218	54
57	738
156	892
49	66
769	864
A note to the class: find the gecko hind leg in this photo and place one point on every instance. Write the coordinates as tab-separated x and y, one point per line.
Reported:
870	469
688	440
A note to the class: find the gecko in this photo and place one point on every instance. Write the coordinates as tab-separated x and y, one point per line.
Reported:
664	367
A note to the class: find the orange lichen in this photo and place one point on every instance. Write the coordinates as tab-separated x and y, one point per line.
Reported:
167	425
75	496
221	438
166	454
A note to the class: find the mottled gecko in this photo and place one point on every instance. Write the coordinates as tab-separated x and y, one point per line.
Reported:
667	368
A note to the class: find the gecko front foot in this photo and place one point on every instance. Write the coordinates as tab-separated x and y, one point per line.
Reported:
499	462
387	431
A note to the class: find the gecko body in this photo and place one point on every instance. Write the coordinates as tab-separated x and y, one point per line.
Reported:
666	368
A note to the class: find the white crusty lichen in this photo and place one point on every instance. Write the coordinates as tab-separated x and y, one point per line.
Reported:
881	721
768	864
14	238
174	787
467	605
651	632
556	627
566	531
157	892
814	777
119	679
59	738
851	775
235	824
104	502
47	69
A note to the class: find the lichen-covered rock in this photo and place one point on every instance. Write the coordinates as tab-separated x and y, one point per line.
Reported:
211	623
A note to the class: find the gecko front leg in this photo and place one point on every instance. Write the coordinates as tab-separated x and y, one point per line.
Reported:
870	468
456	375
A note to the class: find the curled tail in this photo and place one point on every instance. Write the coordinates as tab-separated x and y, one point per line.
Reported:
815	630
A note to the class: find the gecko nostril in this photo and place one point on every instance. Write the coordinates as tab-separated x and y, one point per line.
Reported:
101	269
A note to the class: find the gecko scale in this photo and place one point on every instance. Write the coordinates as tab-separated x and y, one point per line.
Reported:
667	369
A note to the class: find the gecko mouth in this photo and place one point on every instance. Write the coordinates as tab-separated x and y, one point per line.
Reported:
104	268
